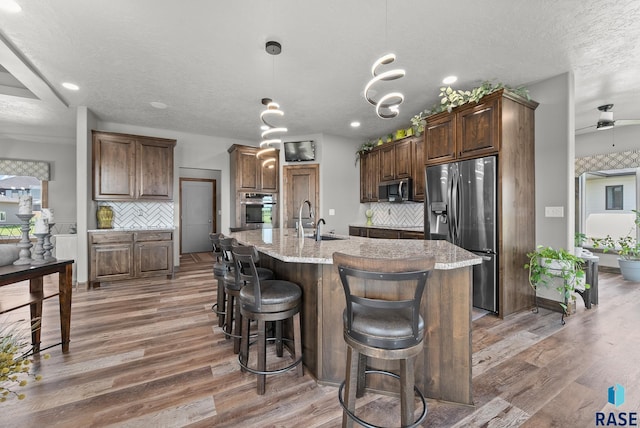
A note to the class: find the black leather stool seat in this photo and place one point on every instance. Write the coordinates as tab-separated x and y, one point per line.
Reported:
382	328
276	295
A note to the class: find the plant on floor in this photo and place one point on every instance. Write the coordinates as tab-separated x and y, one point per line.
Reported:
627	247
14	365
546	263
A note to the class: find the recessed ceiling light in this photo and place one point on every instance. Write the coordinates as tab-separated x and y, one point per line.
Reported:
355	124
10	6
158	105
449	80
70	86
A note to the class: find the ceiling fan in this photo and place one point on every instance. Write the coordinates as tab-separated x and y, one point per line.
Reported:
605	121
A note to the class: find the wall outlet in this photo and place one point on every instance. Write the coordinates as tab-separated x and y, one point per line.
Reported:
554	211
332	211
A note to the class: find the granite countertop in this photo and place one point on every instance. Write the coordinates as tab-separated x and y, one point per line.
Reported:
136	229
390	226
285	245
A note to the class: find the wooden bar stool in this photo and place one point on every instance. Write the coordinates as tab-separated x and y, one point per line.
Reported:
265	301
382	320
232	286
219	269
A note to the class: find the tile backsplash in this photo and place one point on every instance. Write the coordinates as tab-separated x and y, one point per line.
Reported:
141	214
406	214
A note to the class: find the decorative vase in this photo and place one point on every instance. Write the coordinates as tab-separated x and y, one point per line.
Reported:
369	214
104	215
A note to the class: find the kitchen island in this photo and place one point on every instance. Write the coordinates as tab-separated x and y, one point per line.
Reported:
443	369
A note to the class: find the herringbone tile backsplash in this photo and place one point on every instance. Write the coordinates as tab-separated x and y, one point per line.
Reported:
406	214
142	214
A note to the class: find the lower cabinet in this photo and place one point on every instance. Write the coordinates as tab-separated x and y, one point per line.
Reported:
127	255
374	232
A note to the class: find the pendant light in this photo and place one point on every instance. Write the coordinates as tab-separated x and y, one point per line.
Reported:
270	134
388	106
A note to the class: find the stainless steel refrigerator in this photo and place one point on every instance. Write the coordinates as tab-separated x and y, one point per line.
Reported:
460	206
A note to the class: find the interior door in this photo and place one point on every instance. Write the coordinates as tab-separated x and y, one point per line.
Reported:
301	182
197	220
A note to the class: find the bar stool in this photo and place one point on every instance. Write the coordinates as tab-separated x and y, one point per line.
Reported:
232	286
267	301
219	269
379	322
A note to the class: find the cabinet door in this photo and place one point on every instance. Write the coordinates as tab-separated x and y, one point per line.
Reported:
409	234
113	167
387	162
369	176
153	258
247	173
440	143
269	175
403	158
154	170
478	129
418	169
110	262
357	231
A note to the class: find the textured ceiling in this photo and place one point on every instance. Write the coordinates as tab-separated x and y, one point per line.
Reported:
206	59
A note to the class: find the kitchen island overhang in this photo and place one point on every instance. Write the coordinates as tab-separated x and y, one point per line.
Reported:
443	369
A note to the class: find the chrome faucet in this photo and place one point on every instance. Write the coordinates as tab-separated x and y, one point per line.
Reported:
321	220
300	226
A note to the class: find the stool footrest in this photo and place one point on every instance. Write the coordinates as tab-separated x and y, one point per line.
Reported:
366	424
268	372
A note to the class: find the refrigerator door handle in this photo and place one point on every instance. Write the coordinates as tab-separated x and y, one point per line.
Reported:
450	208
454	215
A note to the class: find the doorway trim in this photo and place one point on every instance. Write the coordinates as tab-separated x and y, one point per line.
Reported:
287	173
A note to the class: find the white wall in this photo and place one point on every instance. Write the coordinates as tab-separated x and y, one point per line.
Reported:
555	146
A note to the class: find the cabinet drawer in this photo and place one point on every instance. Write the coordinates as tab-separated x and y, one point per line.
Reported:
110	237
153	236
384	233
409	234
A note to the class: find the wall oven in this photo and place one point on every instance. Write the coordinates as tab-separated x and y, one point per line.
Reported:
258	210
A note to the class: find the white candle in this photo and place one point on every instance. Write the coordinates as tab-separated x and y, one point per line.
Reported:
47	214
25	204
41	226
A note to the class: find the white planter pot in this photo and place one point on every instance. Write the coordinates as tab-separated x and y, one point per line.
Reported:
630	269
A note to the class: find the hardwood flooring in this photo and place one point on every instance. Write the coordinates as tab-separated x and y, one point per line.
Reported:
149	353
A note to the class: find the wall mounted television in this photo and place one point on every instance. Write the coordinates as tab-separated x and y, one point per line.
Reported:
299	151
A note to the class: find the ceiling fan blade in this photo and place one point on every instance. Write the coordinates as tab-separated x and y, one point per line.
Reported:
586	130
624	122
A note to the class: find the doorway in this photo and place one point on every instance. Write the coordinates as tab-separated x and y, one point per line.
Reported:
197	218
301	182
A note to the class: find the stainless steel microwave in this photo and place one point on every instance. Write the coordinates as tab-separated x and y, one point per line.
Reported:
396	190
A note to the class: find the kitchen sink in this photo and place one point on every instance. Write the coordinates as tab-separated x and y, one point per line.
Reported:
329	237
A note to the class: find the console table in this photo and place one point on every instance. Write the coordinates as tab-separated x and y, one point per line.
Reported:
36	295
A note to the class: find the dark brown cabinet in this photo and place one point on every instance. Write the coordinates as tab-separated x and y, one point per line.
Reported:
387	162
417	169
374	232
403	155
132	167
369	176
248	174
127	255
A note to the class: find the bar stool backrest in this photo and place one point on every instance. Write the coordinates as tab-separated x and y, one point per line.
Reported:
225	247
215	242
368	282
245	258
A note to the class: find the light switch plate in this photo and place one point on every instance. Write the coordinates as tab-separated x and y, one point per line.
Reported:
332	211
554	211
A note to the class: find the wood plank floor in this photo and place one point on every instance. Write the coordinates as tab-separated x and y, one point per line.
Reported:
149	353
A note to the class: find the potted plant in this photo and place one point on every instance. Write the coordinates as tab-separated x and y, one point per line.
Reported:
627	247
547	263
578	241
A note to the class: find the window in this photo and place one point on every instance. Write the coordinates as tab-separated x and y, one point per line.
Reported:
614	197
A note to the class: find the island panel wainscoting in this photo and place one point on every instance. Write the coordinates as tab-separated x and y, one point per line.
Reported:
443	369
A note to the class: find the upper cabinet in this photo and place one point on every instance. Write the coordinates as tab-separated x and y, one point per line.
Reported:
391	161
248	173
469	131
132	167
